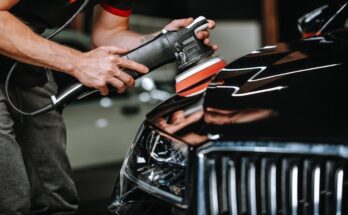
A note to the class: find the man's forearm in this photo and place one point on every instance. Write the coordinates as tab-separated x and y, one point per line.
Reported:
19	42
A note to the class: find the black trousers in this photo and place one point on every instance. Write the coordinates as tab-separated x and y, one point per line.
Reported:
35	174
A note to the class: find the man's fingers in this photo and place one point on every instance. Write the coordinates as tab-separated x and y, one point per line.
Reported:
119	85
202	35
104	90
186	22
211	24
178	116
129	64
125	78
178	23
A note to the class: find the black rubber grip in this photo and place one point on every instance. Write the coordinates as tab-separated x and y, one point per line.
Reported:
153	54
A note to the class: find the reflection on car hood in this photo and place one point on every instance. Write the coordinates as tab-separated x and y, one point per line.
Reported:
290	92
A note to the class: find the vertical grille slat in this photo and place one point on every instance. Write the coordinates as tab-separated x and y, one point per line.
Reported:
213	191
265	183
316	190
294	190
232	188
252	188
273	190
339	191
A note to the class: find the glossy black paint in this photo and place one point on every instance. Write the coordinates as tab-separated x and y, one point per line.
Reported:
290	92
286	98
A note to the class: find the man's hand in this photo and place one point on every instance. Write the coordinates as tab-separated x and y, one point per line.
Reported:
203	35
103	66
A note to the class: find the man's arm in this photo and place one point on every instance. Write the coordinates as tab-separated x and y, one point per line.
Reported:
96	68
19	42
110	29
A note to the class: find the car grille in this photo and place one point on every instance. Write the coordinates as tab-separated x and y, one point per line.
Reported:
272	182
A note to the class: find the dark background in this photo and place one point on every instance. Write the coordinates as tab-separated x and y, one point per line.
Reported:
288	11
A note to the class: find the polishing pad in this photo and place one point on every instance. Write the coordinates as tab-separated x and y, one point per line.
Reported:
196	79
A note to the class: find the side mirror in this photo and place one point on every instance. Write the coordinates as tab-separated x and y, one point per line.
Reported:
310	24
328	17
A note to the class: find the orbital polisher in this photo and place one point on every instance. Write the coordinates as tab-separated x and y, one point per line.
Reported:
195	61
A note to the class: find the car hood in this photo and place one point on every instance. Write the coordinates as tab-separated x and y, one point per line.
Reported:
285	92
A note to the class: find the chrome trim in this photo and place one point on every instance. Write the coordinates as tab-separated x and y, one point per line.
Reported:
277	147
339	191
232	188
273	189
201	193
294	190
214	203
316	190
252	188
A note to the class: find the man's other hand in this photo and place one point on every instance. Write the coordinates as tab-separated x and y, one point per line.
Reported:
203	35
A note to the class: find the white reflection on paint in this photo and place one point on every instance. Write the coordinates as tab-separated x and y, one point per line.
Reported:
236	94
263	68
269	47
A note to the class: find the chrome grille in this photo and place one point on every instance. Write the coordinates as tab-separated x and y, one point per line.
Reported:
237	182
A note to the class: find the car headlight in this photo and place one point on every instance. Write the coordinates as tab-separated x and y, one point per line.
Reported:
156	163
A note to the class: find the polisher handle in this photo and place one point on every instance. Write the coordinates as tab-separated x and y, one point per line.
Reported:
153	54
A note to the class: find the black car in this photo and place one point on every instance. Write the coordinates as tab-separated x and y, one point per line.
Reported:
268	136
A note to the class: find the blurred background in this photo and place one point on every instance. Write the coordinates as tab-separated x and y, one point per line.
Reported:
100	129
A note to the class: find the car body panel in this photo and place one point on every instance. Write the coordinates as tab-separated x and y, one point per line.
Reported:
292	92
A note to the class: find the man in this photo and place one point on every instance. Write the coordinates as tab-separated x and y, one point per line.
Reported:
34	169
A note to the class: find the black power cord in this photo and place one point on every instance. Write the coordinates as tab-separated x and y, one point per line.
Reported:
8	77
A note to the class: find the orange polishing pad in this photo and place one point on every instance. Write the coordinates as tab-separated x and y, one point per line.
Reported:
186	81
